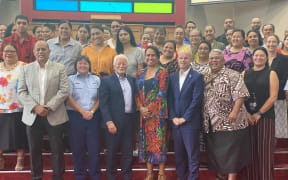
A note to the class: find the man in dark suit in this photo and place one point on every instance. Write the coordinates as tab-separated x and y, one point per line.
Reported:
117	105
184	102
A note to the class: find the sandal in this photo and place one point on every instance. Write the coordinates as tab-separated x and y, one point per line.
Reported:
20	163
161	177
149	176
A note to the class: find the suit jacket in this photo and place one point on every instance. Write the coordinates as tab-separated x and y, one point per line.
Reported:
56	92
187	102
112	104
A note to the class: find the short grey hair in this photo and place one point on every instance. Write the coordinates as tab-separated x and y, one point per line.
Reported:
120	56
218	51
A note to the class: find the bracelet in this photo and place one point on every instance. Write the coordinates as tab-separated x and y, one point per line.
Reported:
259	113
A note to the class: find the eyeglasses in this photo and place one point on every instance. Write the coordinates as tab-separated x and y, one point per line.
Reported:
9	51
116	26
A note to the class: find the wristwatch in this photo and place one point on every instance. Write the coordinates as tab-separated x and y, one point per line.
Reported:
92	112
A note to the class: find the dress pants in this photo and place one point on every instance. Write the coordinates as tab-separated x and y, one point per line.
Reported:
123	139
187	153
85	136
35	137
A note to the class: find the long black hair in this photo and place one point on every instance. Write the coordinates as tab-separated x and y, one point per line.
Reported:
119	45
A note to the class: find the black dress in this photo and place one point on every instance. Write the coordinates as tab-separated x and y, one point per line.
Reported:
262	134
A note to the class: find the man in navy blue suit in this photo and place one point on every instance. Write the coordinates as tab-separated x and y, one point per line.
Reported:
184	102
117	105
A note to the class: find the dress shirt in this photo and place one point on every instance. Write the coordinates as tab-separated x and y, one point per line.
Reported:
182	77
286	86
66	55
42	82
127	93
84	90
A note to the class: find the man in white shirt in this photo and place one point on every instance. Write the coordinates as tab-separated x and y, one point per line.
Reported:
184	106
43	87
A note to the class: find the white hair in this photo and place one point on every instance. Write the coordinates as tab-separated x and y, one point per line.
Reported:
218	51
120	56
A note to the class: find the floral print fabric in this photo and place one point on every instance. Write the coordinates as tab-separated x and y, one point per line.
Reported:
8	89
152	147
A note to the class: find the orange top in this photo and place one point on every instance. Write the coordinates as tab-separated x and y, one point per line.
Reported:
100	61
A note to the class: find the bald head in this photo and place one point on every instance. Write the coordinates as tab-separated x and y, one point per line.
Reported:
41	52
256	24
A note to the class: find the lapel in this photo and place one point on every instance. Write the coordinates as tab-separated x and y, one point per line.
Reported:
35	73
186	81
117	84
49	71
177	88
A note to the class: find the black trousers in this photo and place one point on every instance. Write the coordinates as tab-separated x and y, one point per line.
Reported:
122	140
35	137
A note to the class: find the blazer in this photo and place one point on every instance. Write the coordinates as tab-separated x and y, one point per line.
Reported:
111	99
56	92
186	103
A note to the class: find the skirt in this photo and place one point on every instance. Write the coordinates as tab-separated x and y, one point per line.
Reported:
12	132
281	125
228	151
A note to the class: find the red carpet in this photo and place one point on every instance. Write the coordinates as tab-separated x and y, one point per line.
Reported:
139	170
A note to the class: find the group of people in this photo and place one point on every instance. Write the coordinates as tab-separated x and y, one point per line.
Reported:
226	95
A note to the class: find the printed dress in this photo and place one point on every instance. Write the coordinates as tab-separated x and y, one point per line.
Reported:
238	61
152	146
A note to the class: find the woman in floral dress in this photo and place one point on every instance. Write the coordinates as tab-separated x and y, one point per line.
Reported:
12	130
151	99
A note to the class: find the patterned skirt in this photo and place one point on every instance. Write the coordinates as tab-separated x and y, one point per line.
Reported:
281	125
152	145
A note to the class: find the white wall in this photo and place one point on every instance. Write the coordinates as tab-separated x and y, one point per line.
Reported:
8	10
270	11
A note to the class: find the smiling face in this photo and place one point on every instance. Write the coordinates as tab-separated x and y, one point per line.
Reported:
145	39
216	62
38	33
229	33
47	33
184	60
272	44
2	31
189	28
159	37
120	65
41	52
237	40
168	50
253	39
115	26
151	58
97	36
194	37
179	35
259	58
267	30
64	32
209	33
107	34
83	67
10	55
203	51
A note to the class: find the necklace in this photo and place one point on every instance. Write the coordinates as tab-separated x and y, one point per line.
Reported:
11	67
